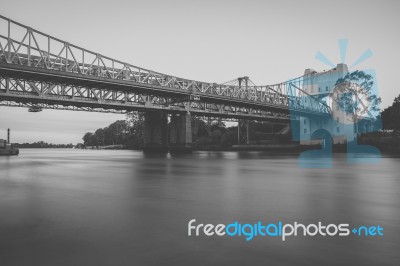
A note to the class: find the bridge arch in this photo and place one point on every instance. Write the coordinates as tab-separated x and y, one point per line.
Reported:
325	136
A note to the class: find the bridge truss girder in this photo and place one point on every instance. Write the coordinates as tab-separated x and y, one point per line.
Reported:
23	46
21	92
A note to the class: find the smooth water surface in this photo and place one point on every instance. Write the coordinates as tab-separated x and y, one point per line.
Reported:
97	207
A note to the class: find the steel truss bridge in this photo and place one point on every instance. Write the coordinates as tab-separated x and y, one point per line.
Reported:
39	69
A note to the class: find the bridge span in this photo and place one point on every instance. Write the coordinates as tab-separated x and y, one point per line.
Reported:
37	69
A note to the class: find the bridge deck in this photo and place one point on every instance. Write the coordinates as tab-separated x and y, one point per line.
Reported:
36	68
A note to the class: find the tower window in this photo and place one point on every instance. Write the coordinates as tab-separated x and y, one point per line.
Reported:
305	121
326	88
338	129
305	131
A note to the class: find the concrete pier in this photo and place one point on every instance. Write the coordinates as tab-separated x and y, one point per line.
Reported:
180	133
155	132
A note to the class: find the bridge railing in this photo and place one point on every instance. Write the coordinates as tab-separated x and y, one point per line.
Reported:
22	45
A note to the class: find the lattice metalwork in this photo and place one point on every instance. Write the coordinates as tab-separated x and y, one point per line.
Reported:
16	92
53	68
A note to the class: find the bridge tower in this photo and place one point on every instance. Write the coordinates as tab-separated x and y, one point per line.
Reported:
243	124
321	85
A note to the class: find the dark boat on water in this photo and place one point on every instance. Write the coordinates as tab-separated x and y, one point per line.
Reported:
6	148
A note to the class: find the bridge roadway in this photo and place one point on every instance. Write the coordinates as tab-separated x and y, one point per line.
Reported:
37	85
24	84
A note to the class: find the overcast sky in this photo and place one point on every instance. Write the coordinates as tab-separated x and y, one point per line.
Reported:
214	41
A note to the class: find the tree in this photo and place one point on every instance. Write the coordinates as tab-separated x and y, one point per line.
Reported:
99	135
135	134
89	139
354	94
391	116
135	122
199	128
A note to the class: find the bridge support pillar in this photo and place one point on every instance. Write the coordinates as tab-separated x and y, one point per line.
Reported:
180	133
155	131
243	132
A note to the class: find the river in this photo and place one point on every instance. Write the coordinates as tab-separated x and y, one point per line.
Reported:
98	207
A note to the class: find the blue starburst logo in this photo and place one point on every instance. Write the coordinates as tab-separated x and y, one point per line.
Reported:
343	43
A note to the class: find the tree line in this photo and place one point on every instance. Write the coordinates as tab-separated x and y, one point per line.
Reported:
127	132
206	133
42	144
